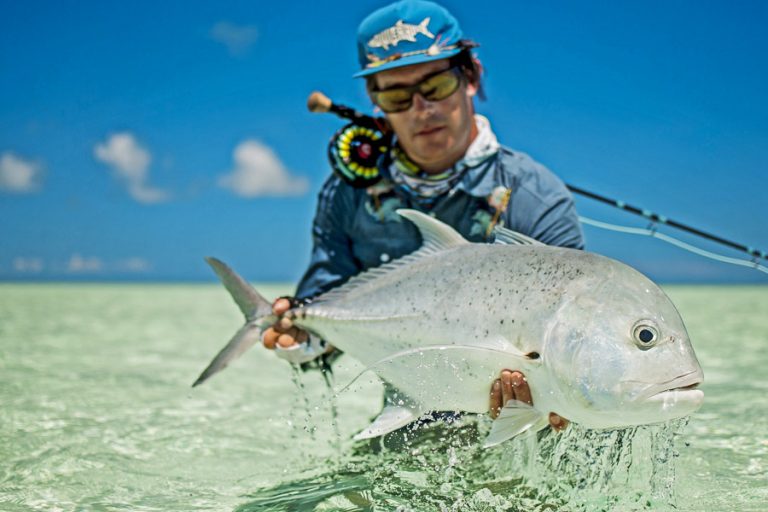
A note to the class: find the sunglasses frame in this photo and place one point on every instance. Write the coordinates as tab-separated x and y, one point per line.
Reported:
413	89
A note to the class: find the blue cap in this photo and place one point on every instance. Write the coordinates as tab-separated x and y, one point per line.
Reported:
404	33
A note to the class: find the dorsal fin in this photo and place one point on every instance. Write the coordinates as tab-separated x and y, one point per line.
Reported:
436	235
508	237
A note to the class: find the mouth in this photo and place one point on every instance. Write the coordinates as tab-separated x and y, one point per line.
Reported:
429	131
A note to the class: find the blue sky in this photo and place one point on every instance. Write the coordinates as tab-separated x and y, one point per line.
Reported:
137	138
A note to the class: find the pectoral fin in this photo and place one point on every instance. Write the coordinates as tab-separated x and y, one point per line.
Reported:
515	418
391	418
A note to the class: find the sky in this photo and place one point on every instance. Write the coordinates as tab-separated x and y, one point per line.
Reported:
136	138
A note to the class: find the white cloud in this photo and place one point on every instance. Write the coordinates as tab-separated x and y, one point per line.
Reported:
28	265
259	172
237	38
130	162
78	264
135	265
19	175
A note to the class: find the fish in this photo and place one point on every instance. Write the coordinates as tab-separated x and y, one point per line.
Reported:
598	342
400	32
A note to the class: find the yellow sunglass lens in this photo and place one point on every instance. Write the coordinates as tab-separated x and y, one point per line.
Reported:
434	88
439	87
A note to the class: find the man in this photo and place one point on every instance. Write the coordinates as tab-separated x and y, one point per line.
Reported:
444	160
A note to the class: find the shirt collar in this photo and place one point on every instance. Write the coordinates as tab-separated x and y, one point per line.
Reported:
478	178
475	167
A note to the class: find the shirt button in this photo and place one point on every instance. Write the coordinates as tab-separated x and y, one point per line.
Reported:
384	257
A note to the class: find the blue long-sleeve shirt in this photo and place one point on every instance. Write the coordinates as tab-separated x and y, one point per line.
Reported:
356	229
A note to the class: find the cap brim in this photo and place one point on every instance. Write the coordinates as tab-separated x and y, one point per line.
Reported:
407	61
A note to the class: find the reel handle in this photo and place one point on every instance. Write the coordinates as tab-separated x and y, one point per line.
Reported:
319	103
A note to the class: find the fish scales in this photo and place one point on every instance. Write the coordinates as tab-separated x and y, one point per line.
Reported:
458	295
477	295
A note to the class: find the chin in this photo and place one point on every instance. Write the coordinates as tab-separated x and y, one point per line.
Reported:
433	152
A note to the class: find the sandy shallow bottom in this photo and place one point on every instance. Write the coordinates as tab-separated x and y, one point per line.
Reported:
98	414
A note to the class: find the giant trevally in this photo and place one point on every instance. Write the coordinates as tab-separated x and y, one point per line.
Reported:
599	343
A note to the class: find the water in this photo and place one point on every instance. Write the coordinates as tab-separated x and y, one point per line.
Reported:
97	414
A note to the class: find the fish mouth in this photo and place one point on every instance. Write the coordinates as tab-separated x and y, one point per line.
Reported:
680	389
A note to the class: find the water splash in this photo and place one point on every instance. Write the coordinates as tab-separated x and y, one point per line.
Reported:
333	407
443	467
309	425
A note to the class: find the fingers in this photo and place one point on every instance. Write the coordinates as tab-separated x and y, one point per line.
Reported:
277	336
515	387
269	338
280	306
282	333
288	339
495	400
557	422
509	386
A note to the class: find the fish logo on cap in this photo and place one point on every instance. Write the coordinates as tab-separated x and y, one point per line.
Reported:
400	32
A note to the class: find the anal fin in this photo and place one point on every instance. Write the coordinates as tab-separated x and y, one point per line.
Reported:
515	418
391	418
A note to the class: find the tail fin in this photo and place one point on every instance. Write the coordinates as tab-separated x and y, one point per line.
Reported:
424	30
250	302
256	310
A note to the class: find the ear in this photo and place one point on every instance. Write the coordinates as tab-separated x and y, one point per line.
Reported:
473	86
471	89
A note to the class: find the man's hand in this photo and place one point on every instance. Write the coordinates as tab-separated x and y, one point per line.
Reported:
283	332
513	386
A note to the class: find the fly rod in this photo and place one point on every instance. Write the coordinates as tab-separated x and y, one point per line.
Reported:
354	150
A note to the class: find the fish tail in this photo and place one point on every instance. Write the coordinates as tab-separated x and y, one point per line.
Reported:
257	311
423	28
250	302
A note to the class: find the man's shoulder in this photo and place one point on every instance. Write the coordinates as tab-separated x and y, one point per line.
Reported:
530	175
520	164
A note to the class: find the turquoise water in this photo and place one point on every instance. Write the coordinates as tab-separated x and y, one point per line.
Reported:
98	414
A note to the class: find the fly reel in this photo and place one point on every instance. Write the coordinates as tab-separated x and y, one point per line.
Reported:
354	151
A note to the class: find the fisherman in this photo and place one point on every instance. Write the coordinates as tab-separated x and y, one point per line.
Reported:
445	160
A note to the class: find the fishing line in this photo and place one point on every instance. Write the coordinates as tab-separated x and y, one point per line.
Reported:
674	241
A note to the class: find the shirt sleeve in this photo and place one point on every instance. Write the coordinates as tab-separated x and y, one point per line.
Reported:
543	208
331	262
558	224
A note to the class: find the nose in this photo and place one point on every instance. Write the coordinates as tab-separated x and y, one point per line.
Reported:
420	103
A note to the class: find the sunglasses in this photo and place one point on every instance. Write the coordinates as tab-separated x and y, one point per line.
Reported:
434	87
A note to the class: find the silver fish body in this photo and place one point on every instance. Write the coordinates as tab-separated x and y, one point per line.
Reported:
599	343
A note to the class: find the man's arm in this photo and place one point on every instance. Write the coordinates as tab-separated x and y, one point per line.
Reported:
558	223
331	263
542	207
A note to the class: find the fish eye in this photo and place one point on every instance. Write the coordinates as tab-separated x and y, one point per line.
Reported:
645	334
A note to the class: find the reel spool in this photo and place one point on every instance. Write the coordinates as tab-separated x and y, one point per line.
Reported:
354	151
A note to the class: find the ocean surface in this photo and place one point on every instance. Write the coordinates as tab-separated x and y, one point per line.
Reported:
98	414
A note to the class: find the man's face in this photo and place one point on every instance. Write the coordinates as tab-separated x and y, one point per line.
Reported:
434	134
